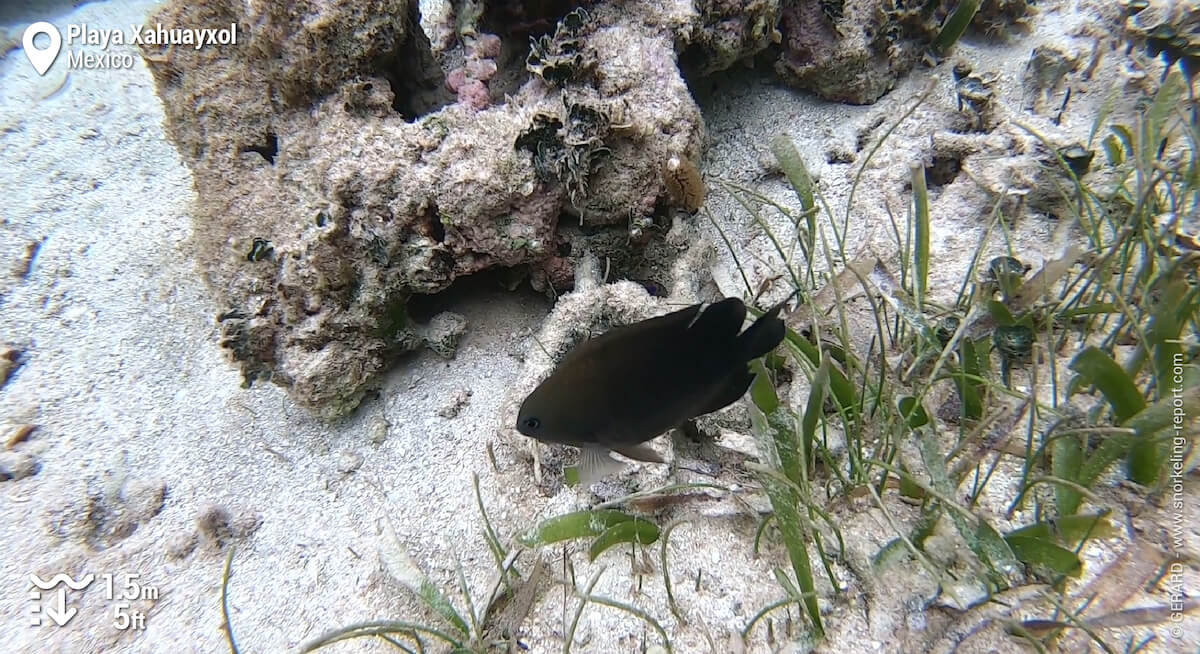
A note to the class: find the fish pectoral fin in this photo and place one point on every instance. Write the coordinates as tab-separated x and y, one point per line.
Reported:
595	464
640	452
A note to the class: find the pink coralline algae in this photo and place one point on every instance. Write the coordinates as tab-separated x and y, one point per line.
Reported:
469	81
474	94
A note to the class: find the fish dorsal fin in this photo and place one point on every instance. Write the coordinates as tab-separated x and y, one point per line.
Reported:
719	323
668	326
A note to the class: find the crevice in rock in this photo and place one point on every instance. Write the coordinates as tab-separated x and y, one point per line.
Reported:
477	287
718	93
691	61
619	257
416	79
522	20
942	170
432	226
511	73
268	150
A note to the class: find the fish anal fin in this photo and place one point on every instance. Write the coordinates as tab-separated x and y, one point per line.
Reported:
640	452
595	464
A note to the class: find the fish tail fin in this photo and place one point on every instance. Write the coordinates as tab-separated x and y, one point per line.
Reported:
765	334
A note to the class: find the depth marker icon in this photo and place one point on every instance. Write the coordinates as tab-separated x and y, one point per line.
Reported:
57	609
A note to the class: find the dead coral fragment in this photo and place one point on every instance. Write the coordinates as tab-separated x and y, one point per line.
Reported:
17	465
456	403
14	435
213	524
560	58
974	94
1045	72
10	359
216	527
1078	158
443	333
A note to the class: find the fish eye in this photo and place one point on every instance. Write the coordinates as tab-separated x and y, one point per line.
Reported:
532	423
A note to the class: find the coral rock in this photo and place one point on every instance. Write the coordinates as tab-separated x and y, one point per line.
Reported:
728	31
307	138
336	176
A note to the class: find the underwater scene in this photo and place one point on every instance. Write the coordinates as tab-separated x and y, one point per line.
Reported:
600	326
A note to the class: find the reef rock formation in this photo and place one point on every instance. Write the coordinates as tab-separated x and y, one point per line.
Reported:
337	175
855	50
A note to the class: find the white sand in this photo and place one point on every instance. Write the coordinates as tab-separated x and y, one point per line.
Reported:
130	393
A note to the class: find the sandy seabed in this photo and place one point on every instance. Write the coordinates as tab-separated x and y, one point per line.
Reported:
147	452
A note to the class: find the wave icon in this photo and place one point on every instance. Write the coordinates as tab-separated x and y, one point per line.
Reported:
61	578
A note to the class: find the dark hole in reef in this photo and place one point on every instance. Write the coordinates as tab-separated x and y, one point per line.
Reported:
516	23
267	150
696	59
718	93
511	72
521	20
654	288
415	91
414	76
434	228
482	287
942	170
691	60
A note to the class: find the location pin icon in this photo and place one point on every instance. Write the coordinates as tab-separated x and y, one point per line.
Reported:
44	58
